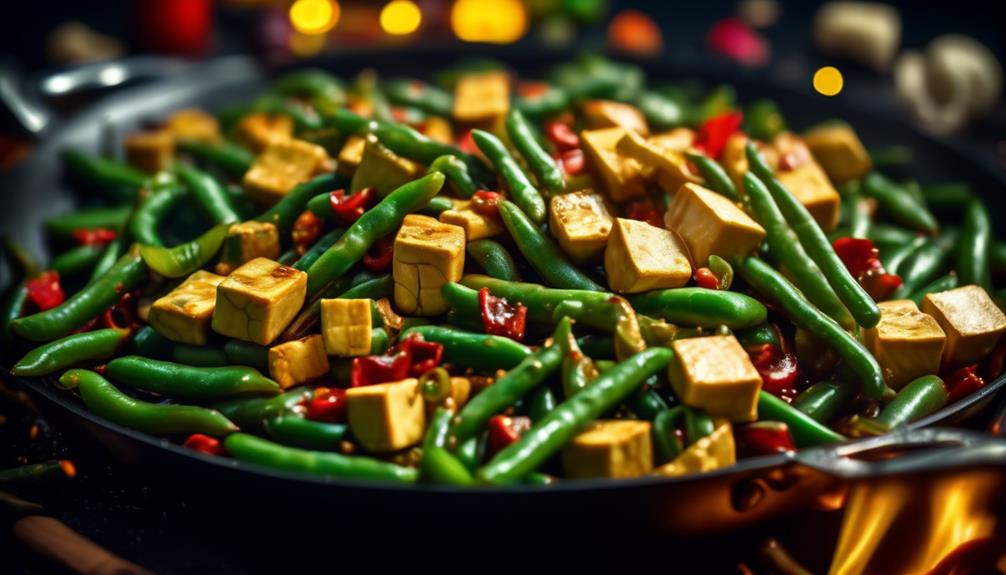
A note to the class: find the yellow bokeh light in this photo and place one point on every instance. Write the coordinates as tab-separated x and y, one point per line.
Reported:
314	16
828	81
400	17
492	21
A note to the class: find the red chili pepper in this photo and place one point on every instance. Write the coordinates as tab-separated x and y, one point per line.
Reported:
467	144
532	90
713	134
504	430
380	255
306	230
764	438
705	278
94	236
501	318
862	259
963	382
562	136
778	370
423	355
374	369
327	404
44	290
572	162
348	209
122	314
486	203
205	444
644	212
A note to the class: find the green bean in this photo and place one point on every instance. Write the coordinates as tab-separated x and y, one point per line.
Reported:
114	250
319	247
358	286
11	307
666	445
296	431
61	227
228	156
716	178
661	111
247	353
409	143
107	176
542	164
457	175
521	191
951	196
824	400
148	343
698	424
806	432
645	402
254	413
891	156
916	400
972	262
199	355
183	259
77	260
549	103
151	210
209	195
884	235
940	284
762	120
896	257
419	95
71	350
897	202
286	211
475	350
855	209
439	465
178	380
701	307
494	259
925	263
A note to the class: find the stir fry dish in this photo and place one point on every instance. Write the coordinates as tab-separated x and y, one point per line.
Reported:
485	280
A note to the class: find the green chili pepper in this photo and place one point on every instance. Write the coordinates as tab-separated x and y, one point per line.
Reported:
886	235
251	449
701	307
541	401
233	159
774	285
763	121
61	227
247	353
758	335
945	197
296	431
319	247
646	403
806	432
102	398
419	95
972	262
151	210
916	400
286	211
186	258
199	355
115	179
71	350
856	211
550	434
894	257
148	343
439	465
457	175
543	165
716	178
940	284
209	195
437	206
661	111
253	413
666	445
177	380
925	263
494	259
521	191
11	307
897	202
75	261
115	250
824	400
698	424
475	350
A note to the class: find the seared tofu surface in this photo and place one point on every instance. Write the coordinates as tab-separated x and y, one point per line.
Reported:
971	320
711	224
427	254
907	343
580	223
715	374
258	300
299	361
640	257
388	416
610	448
183	315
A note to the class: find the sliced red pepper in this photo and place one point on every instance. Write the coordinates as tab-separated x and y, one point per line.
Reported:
572	162
467	144
764	438
380	255
713	133
205	444
423	355
94	236
504	430
348	209
644	212
45	291
374	369
327	404
963	382
123	313
501	318
862	259
562	136
306	230
486	203
779	371
705	278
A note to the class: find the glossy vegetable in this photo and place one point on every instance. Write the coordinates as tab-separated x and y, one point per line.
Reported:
519	188
177	380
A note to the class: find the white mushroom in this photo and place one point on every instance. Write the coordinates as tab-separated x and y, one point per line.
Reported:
865	32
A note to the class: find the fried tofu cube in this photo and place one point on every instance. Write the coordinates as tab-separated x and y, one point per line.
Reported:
438	129
387	416
382	169
811	187
246	241
907	343
427	254
476	225
482	99
622	176
150	151
194	124
667	166
256	131
299	361
610	114
581	223
258	300
346	325
616	448
283	165
714	451
711	224
716	374
971	320
183	315
640	257
734	159
678	139
350	156
839	151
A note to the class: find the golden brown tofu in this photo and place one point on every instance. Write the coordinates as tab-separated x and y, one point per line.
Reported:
427	254
346	325
388	416
622	177
150	151
678	139
382	169
640	257
283	165
183	315
581	223
907	343
811	187
256	131
611	114
734	159
616	448
714	451
438	129
246	241
667	166
715	374
476	225
972	322
838	150
350	156
194	124
299	361
710	224
258	300
482	99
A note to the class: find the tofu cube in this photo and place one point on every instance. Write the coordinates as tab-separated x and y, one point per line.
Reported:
617	448
183	315
438	129
427	254
907	343
476	225
150	151
346	325
482	99
387	416
621	176
640	257
350	156
610	114
678	139
667	166
715	374
299	361
811	187
711	224
258	300
838	150
382	169
283	165
581	223
246	241
194	124
714	451
971	320
257	131
734	159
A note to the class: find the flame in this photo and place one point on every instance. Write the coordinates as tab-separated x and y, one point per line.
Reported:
907	525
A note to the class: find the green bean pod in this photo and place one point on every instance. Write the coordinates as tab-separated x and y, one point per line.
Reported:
888	235
11	306
762	120
209	195
457	175
715	177
972	261
317	248
698	424
71	350
254	413
148	343
177	380
950	196
439	465
824	400
231	158
105	175
925	263
75	261
494	259
199	355
916	400
645	402
806	432
541	302
61	227
543	165
286	211
247	353
897	202
551	102
183	259
856	211
475	350
701	307
666	445
151	210
521	191
419	95
407	142
296	431
108	258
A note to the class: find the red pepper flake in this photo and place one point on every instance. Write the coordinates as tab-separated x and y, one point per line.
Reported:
348	209
778	370
713	134
736	40
374	369
306	230
205	444
532	90
964	382
486	203
378	258
467	144
68	468
572	162
862	259
764	438
45	291
705	278
501	318
122	314
423	355
644	212
94	236
327	404
504	430
562	136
